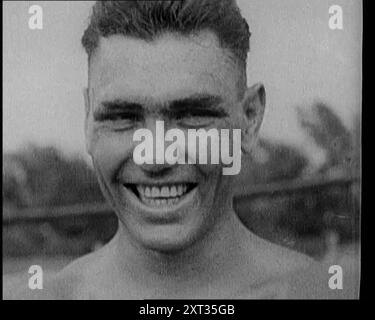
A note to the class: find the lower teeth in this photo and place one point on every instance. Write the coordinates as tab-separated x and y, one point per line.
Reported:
159	202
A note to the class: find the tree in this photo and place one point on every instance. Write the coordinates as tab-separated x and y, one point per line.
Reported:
51	179
341	145
269	162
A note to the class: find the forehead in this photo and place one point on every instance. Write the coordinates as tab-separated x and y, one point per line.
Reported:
169	67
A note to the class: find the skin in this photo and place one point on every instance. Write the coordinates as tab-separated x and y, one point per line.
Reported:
200	250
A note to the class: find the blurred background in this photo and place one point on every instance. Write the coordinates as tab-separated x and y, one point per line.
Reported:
300	189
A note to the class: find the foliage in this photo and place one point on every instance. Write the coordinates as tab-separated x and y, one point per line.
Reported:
43	176
269	162
341	145
50	179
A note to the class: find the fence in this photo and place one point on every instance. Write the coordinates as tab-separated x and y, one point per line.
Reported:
298	214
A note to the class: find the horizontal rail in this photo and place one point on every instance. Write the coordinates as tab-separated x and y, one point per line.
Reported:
296	185
45	214
38	215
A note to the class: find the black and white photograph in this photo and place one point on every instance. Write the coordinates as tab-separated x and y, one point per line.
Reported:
182	150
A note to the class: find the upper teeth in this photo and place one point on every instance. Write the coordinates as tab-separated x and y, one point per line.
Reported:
162	191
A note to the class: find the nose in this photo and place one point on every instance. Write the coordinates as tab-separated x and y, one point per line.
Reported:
156	170
152	158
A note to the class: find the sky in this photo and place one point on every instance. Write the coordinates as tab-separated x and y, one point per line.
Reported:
292	51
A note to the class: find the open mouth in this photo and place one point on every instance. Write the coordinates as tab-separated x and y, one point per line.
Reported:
161	195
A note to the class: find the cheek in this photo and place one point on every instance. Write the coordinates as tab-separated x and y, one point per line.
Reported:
109	151
212	174
214	189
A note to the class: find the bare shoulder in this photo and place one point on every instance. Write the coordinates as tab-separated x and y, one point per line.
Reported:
67	284
297	276
267	267
276	261
18	288
327	279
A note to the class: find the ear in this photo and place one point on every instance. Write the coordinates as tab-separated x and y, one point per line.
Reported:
86	98
253	105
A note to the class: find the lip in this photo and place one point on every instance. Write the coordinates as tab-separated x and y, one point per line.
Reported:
163	214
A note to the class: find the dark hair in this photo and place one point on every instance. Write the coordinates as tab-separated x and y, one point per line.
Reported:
147	19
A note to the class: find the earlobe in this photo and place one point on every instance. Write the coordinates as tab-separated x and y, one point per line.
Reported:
253	106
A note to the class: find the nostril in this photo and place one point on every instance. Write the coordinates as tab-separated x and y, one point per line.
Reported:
157	172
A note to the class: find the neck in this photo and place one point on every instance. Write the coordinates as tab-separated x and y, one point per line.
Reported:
220	252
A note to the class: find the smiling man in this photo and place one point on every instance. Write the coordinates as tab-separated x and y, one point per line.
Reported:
183	63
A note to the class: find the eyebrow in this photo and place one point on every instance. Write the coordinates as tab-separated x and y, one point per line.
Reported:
118	106
200	103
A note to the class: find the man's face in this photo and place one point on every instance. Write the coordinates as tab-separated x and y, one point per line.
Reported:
187	82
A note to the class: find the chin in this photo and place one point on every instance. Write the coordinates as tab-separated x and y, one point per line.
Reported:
164	226
169	238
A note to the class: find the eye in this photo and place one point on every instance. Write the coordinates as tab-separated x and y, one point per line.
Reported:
196	118
195	121
119	121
